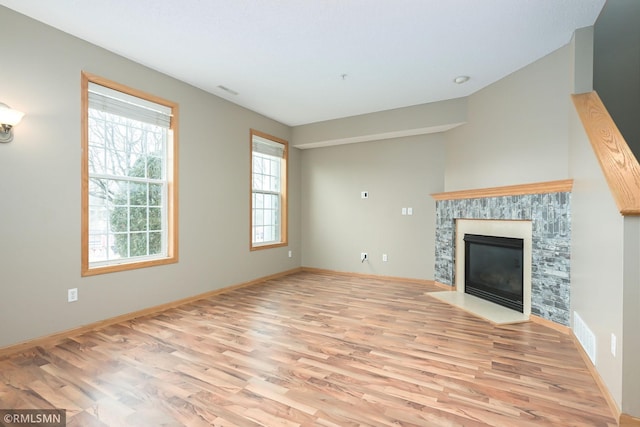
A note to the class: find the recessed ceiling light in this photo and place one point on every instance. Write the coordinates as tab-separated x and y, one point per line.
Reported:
461	79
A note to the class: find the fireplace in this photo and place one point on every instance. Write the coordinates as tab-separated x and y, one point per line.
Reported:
538	213
504	231
494	269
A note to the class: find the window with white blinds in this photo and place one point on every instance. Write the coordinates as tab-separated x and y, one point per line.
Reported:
268	191
129	178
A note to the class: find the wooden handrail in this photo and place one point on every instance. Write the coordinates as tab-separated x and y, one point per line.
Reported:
618	163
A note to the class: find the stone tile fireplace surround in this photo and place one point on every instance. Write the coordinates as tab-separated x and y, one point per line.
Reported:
548	206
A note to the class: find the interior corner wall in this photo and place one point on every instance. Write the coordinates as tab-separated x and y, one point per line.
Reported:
40	189
631	338
338	225
597	246
596	258
517	129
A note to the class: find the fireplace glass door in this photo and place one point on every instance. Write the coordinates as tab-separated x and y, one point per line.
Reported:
494	269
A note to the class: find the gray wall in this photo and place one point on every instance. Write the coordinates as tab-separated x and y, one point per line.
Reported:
616	69
596	257
400	122
40	190
617	81
338	225
516	131
631	298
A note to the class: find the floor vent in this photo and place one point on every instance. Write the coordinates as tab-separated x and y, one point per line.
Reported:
584	335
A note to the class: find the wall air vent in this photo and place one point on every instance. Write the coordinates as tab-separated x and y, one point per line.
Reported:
585	336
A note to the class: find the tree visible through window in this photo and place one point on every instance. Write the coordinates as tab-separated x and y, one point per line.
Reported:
128	178
268	191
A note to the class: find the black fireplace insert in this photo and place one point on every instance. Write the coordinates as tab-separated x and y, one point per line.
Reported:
494	269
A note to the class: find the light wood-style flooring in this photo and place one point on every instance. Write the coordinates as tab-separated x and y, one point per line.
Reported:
314	350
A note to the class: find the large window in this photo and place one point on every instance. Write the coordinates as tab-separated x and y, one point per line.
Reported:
268	191
129	170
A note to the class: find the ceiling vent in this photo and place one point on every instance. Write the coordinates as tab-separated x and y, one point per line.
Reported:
226	89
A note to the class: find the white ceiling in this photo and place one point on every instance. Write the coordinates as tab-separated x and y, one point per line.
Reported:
304	61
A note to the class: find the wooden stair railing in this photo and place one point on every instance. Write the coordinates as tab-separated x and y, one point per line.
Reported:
619	165
620	168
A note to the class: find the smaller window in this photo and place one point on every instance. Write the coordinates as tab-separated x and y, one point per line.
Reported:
268	191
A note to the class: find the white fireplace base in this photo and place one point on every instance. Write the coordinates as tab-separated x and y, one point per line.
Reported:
521	229
482	308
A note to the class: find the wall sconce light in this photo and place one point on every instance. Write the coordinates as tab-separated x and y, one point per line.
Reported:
8	119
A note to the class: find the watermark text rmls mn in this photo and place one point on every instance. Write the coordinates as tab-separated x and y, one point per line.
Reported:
33	417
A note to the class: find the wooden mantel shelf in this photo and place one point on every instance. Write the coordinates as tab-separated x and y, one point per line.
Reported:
619	165
564	185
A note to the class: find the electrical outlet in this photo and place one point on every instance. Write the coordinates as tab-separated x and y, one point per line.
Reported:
72	295
363	256
385	258
409	211
613	344
404	211
290	254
